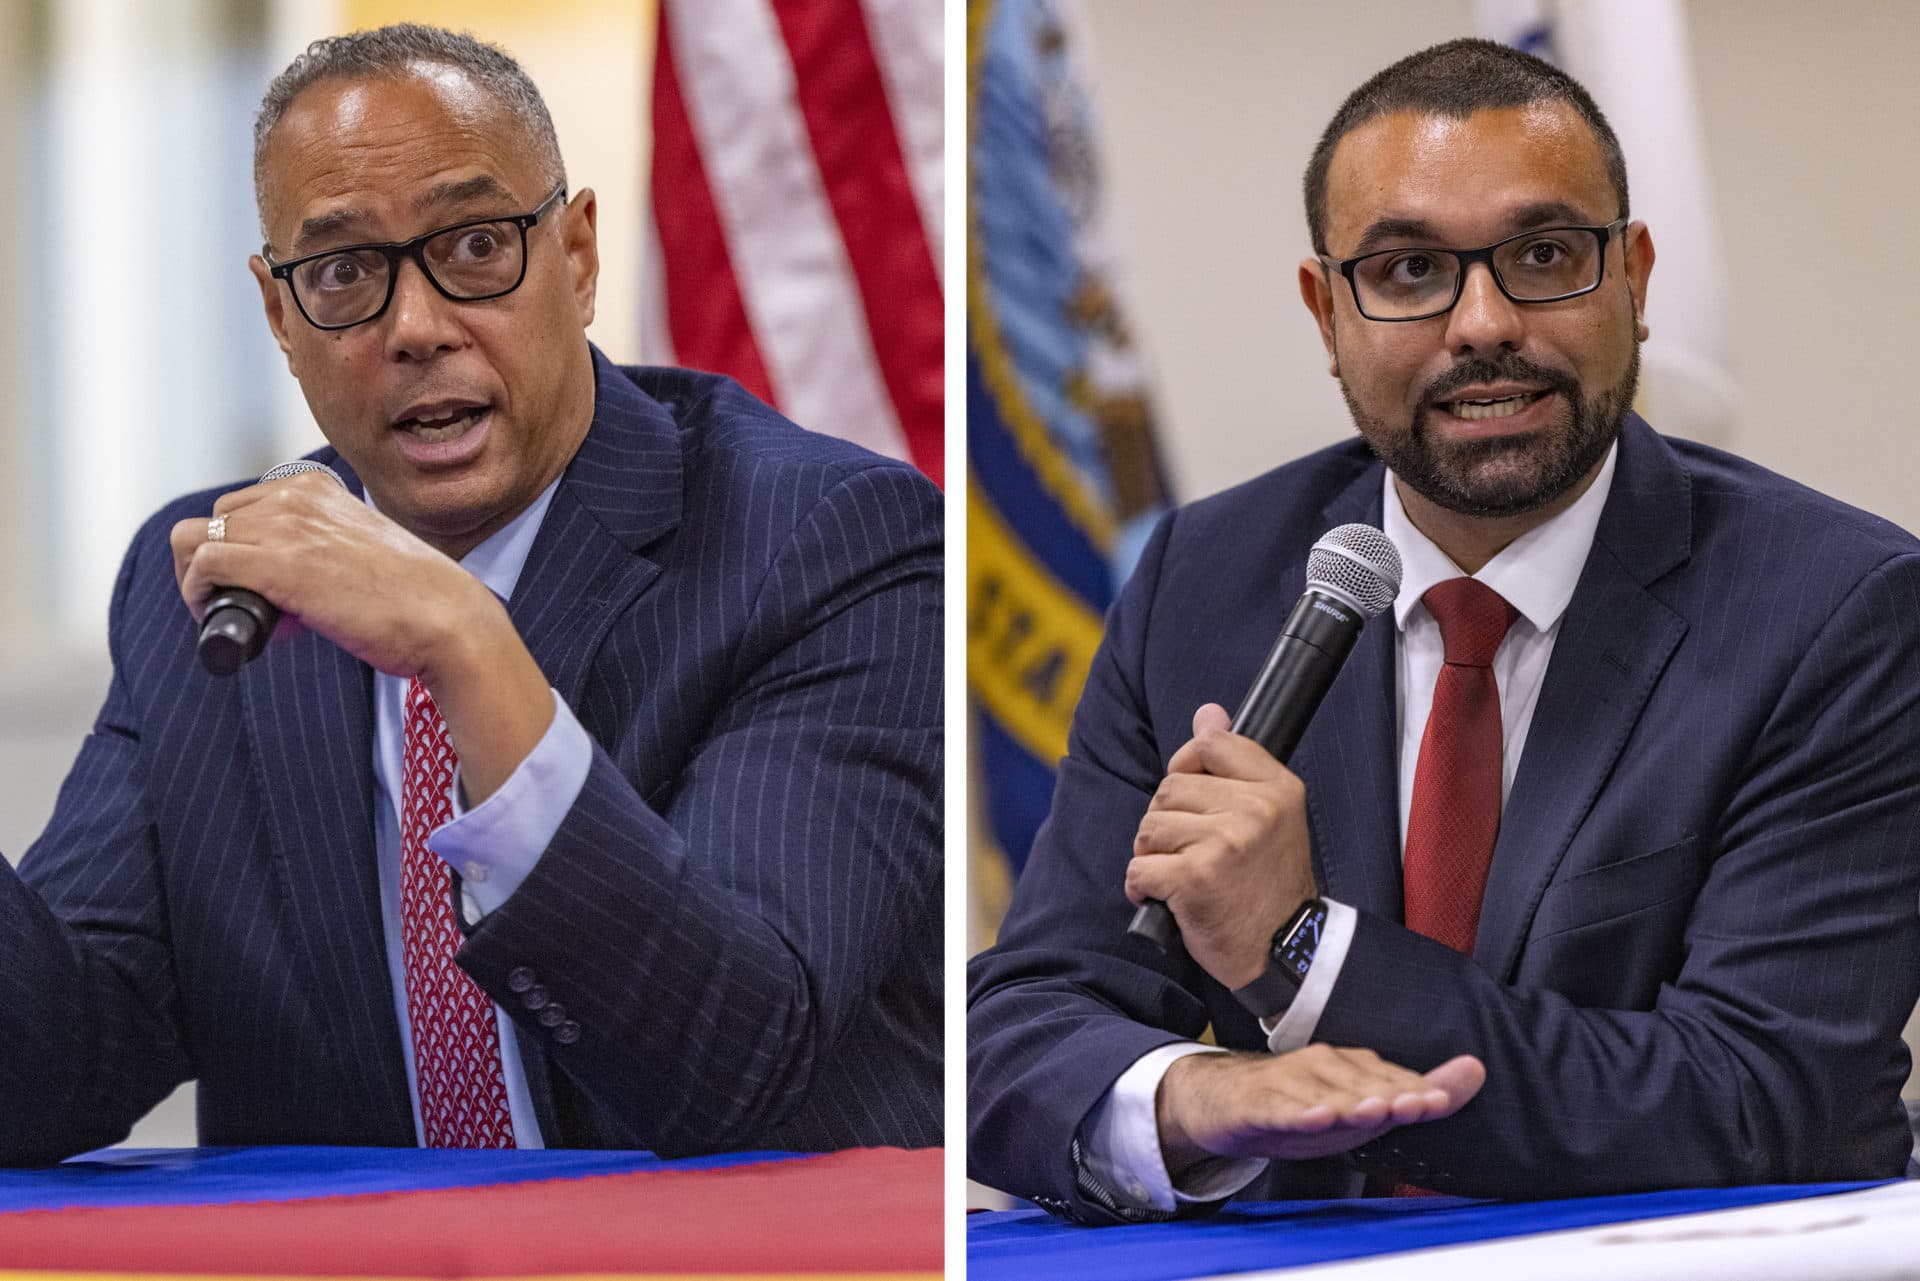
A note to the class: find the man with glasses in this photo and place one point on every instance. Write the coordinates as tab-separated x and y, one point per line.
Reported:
1596	870
468	262
590	795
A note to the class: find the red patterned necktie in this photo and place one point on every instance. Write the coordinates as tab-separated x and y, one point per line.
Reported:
456	1043
1456	786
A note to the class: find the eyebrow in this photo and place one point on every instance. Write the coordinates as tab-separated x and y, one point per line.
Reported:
1541	213
454	193
1550	213
1381	230
338	221
328	224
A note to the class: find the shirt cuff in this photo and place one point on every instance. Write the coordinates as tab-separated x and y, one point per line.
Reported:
494	845
1120	1142
1296	1025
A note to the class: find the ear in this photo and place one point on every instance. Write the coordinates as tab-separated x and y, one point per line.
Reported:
580	241
1639	256
1317	292
274	299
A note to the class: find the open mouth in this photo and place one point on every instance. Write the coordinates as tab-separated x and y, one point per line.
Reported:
1496	407
437	427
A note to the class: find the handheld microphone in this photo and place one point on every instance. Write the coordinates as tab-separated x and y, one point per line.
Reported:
1353	573
238	622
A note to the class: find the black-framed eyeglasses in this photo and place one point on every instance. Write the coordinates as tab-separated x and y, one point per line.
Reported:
1417	282
467	262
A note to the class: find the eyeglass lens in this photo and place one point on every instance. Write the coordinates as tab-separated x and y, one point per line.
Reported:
480	260
1401	283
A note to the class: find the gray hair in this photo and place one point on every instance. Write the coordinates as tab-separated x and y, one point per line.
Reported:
392	51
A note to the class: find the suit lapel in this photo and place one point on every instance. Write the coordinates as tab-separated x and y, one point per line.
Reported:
1614	641
576	582
1347	756
309	708
621	492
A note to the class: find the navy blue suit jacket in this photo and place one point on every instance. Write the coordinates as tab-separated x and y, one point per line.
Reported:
1701	931
742	911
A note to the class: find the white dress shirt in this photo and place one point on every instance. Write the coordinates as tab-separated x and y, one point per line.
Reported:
493	845
1536	574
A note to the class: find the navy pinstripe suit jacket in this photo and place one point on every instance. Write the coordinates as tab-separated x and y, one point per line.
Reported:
742	911
1701	930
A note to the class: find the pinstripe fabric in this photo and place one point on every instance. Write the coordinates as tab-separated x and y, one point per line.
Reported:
741	912
1699	940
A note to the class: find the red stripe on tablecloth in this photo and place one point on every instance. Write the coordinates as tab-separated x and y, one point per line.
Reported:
872	1210
705	312
843	100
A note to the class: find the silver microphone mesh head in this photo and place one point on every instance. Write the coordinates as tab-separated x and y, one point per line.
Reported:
297	466
1357	562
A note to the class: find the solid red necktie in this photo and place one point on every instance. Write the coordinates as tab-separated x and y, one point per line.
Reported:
1455	814
456	1042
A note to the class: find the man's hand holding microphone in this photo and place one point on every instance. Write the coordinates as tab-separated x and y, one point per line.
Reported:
310	550
1225	849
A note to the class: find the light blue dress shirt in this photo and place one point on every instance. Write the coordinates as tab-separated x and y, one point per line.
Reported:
494	845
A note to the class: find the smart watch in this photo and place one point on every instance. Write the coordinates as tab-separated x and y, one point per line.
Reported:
1289	958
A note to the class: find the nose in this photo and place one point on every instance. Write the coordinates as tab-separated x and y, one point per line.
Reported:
420	319
1484	318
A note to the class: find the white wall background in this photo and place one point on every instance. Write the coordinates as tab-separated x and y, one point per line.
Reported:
1209	110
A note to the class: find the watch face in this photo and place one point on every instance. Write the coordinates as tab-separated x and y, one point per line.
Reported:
1296	953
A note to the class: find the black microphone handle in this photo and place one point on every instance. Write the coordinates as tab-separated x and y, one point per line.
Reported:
1296	675
237	626
239	623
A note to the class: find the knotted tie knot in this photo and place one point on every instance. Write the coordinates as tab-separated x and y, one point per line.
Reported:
1473	620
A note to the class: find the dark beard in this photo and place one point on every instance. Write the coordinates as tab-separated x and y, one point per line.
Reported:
1503	476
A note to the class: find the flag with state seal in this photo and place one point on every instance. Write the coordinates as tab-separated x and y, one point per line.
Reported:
1064	477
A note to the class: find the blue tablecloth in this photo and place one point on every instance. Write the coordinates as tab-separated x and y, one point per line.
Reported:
1278	1234
228	1176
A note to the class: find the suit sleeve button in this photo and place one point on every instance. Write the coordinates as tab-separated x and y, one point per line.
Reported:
520	978
536	998
552	1016
567	1033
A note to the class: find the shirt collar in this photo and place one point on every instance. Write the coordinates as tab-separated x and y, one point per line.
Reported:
1536	573
497	562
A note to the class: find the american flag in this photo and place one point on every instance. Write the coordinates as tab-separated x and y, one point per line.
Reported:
795	234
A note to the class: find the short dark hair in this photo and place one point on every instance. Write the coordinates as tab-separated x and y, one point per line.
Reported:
1456	79
392	51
